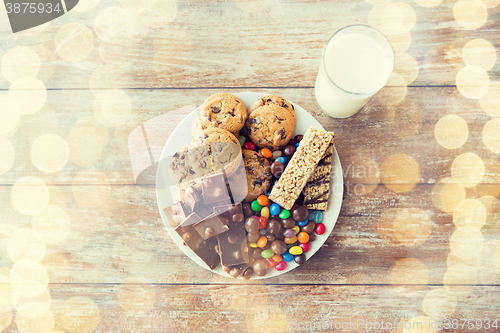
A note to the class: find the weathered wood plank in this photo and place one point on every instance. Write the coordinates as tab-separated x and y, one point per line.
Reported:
116	231
142	307
269	43
377	132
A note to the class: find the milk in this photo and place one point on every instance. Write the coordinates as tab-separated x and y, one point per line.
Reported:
354	67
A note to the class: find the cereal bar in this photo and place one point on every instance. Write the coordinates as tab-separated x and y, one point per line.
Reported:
301	167
317	190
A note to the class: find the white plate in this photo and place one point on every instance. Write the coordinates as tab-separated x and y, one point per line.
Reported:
181	136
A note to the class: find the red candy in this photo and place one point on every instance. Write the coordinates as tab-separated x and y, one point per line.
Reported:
280	266
270	262
262	222
249	145
305	246
320	228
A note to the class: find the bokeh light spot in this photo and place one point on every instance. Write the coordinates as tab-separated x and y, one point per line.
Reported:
491	135
85	5
492	206
406	66
490	102
49	152
74	42
28	94
157	13
392	18
33	307
394	92
29	278
467	169
428	3
41	324
470	14
491	3
362	174
7	155
470	212
400	173
90	196
400	43
5	319
466	242
404	226
79	315
25	244
7	296
409	271
52	224
112	107
29	195
86	141
10	116
20	61
447	194
451	132
136	294
479	52
439	304
473	82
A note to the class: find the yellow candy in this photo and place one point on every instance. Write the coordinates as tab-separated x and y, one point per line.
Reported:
265	212
295	250
297	229
290	240
253	244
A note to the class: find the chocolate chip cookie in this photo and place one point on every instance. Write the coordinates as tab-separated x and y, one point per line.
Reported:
273	99
224	111
258	173
189	164
270	126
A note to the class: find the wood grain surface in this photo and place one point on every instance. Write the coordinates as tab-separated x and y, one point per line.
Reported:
417	239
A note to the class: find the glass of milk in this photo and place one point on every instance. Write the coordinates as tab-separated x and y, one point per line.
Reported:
356	63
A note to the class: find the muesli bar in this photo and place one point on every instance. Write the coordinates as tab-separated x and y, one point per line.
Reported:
301	167
317	190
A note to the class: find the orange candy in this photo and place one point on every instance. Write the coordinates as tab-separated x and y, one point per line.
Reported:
303	237
270	262
262	241
277	258
266	153
262	200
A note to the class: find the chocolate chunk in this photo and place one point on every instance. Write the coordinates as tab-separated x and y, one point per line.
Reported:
203	164
279	118
211	226
218	122
207	252
214	190
285	105
251	121
232	112
257	182
233	245
293	107
269	100
215	109
282	133
209	117
176	154
191	171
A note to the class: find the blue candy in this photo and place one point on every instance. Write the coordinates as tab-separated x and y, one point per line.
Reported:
275	209
282	160
303	223
287	256
318	216
311	214
297	144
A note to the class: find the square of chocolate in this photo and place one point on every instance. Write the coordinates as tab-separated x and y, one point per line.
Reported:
194	203
230	213
207	251
233	245
210	226
188	234
214	190
175	213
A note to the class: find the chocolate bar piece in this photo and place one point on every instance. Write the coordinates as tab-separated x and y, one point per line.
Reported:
214	190
300	168
230	213
175	214
194	203
210	227
317	190
207	251
188	234
233	245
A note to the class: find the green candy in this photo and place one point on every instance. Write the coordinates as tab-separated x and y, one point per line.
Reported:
284	214
256	207
241	139
267	253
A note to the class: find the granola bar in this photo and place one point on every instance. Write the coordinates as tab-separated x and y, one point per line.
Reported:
317	190
301	167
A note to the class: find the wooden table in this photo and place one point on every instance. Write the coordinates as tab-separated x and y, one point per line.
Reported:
83	247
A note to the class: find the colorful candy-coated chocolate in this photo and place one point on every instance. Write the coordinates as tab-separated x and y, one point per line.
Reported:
262	200
297	229
289	233
277	258
282	159
249	145
305	246
265	212
290	240
281	265
253	245
303	237
295	250
318	216
320	228
242	140
270	262
275	209
267	253
302	223
255	206
287	256
311	215
262	241
262	222
297	144
266	153
284	214
276	154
